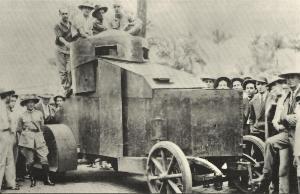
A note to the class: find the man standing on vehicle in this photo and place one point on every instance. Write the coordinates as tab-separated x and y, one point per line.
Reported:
83	23
62	41
285	122
257	107
124	21
32	142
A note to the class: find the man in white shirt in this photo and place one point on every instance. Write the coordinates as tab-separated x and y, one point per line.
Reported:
83	23
6	147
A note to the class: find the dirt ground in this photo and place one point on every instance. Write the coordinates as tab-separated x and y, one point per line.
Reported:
95	180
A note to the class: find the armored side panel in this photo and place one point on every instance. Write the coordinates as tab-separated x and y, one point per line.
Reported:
111	134
200	121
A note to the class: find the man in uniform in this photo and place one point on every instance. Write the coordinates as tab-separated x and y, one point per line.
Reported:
32	142
7	163
285	122
257	107
62	41
45	107
249	90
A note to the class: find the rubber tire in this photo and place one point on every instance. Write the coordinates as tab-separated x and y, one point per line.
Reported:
181	160
257	141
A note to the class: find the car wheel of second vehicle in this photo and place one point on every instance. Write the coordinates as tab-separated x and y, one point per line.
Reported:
168	169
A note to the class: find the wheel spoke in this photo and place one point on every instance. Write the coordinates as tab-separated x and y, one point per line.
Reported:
152	178
163	159
172	176
163	185
171	164
158	165
174	186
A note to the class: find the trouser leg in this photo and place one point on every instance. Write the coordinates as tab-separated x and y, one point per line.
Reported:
63	64
42	154
29	156
272	147
284	168
10	168
3	154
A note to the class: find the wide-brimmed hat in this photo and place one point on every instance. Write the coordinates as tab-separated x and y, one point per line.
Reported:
289	73
29	97
97	9
59	96
247	81
5	92
222	79
86	4
275	80
45	96
208	78
262	79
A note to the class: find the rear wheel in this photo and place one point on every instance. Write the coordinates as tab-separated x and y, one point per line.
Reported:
253	155
168	170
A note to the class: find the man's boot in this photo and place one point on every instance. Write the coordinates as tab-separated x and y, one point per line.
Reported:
32	177
47	180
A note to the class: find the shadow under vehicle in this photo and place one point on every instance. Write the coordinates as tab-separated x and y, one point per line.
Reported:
149	119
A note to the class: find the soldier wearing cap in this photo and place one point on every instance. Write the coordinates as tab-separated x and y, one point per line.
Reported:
32	142
249	91
237	83
98	24
222	83
45	107
257	107
7	164
285	121
209	82
83	24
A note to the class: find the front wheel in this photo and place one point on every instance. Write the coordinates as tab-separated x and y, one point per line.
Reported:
168	170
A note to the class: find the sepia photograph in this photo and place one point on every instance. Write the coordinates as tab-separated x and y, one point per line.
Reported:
150	96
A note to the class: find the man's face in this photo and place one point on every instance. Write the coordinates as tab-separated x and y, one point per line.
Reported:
30	105
59	102
222	85
117	8
46	101
99	15
286	88
86	11
64	15
261	87
250	90
209	83
12	102
237	85
293	81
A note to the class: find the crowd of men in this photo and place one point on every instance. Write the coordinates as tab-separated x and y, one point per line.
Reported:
271	111
89	22
22	142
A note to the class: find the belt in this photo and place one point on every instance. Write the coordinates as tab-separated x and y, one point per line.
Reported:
33	130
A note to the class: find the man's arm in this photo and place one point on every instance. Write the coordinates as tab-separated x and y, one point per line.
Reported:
59	36
276	120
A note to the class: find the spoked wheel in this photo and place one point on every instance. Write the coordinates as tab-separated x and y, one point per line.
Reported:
253	155
168	170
